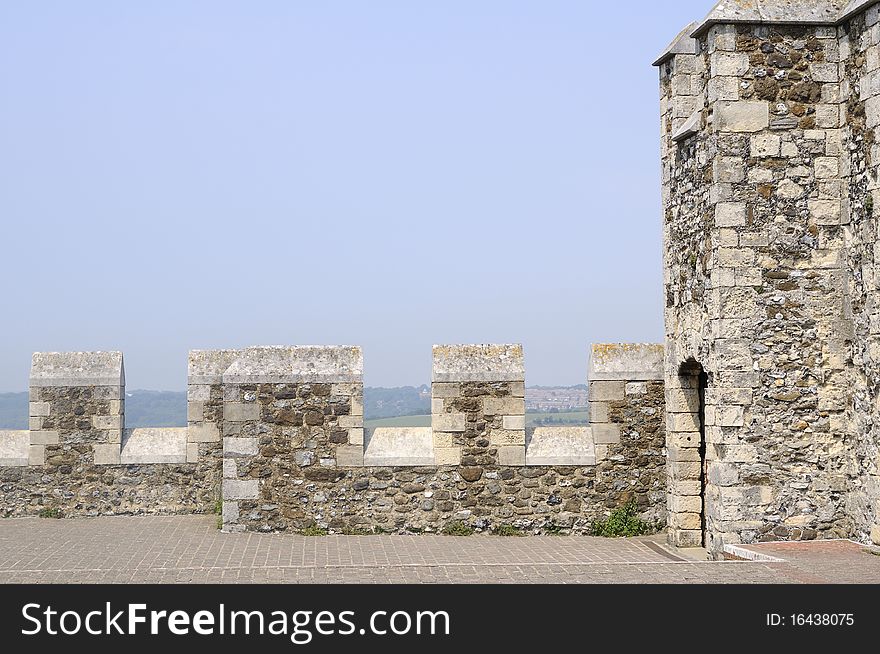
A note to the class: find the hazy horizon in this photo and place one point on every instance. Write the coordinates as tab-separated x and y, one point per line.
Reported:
197	175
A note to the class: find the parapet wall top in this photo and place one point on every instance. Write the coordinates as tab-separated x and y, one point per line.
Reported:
478	363
310	363
626	361
778	12
77	369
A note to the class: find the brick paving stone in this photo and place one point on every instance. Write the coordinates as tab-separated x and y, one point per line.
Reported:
185	549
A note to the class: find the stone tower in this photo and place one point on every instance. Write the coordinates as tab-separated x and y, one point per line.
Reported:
769	153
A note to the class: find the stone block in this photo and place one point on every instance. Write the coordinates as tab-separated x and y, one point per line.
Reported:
240	447
875	534
766	145
77	369
36	455
598	412
401	446
230	512
723	474
349	456
745	116
230	469
45	438
685	488
563	446
195	411
512	456
683	438
682	454
437	406
240	489
35	424
684	470
478	363
154	445
40	409
687	521
106	454
728	64
447	456
192	452
449	422
347	389
504	406
357	406
241	412
507	437
198	393
356	436
626	362
607	391
686	422
351	422
207	432
825	212
445	390
517	389
514	422
685	504
112	435
730	416
299	364
443	439
606	434
730	214
682	400
826	167
686	538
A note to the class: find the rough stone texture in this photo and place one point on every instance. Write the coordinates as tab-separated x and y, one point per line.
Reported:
77	369
288	455
84	489
627	361
14	446
292	435
478	363
769	273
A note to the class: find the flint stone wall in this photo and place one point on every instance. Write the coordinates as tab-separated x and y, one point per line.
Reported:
769	174
277	434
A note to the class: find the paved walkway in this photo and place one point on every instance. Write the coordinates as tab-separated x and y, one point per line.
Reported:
190	549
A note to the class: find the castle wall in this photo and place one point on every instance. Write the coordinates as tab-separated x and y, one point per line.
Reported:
277	435
860	98
769	247
756	285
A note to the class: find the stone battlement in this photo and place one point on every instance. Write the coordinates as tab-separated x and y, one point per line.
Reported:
277	433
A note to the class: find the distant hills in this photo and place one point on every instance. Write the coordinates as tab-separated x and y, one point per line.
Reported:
168	408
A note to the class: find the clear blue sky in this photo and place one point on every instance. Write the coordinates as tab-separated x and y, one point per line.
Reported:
195	174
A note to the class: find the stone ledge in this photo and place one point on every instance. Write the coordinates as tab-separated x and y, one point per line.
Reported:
280	365
399	446
561	446
154	445
684	43
14	447
205	367
478	363
77	369
626	362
